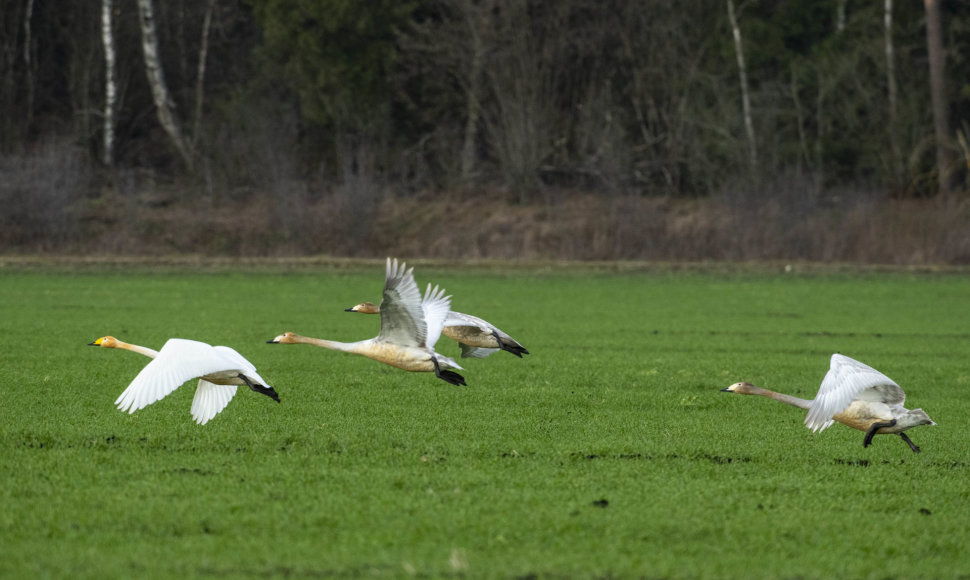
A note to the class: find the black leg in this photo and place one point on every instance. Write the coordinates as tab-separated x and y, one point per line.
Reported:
447	376
263	390
909	442
872	431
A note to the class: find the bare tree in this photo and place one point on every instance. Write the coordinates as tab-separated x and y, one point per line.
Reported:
110	81
743	74
941	123
200	74
164	105
477	19
891	84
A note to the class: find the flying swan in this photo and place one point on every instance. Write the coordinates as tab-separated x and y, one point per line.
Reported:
476	337
219	369
855	395
410	327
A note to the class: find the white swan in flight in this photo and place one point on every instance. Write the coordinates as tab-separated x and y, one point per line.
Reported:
219	369
855	395
477	338
410	327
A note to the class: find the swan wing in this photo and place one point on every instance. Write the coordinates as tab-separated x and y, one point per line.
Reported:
210	399
238	362
436	307
475	351
849	380
462	319
177	362
402	316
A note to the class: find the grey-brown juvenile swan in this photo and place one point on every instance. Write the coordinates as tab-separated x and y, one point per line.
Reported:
855	395
410	327
477	338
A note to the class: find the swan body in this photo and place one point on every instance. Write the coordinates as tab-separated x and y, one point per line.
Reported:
476	337
855	395
410	327
219	369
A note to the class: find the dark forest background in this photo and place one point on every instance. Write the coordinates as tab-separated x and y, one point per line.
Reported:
831	130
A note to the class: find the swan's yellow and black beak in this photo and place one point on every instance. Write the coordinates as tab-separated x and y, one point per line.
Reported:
351	309
96	343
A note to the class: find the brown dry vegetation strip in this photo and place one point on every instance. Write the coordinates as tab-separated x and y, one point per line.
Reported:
194	262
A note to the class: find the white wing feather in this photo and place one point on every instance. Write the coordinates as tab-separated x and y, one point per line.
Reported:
402	317
177	362
849	380
210	399
436	307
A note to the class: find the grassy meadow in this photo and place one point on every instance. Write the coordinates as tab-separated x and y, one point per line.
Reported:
609	452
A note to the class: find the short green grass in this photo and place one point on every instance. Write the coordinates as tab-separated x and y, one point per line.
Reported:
607	453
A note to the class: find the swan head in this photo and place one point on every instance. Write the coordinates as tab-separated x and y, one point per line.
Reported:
105	342
285	338
364	308
915	418
742	388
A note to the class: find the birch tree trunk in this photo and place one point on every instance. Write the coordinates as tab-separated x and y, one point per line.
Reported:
200	72
164	106
110	82
941	124
743	74
891	84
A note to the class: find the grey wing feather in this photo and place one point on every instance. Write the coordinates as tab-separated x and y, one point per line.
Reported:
402	316
475	351
849	380
484	326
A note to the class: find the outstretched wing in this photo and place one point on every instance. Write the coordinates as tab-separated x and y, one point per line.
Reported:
210	399
849	380
402	316
436	307
462	319
177	362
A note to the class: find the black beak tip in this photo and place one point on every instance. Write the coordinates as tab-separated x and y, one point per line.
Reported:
271	342
348	310
91	344
725	390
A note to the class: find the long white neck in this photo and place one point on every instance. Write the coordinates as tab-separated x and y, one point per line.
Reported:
788	399
139	349
331	344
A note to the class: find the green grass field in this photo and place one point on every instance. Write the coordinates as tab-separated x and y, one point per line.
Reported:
608	453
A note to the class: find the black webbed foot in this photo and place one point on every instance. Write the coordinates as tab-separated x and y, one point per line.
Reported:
261	389
448	376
